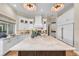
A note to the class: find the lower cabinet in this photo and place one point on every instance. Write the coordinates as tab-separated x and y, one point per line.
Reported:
1	46
7	43
41	53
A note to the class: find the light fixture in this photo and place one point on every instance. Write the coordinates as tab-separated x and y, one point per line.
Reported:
30	6
57	7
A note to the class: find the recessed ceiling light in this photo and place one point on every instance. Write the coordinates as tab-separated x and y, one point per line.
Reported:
29	6
57	7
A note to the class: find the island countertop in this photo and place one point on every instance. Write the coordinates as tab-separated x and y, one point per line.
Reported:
41	43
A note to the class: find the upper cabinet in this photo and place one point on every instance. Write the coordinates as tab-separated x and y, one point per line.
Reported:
67	17
7	11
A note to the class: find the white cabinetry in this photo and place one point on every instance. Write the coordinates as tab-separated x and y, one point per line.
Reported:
68	34
1	46
66	18
65	25
59	32
7	43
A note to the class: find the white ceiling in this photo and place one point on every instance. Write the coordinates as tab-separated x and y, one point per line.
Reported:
43	9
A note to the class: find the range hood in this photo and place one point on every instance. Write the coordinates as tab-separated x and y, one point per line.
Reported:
38	22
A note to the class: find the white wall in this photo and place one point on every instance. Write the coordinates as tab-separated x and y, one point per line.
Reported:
24	26
28	26
76	26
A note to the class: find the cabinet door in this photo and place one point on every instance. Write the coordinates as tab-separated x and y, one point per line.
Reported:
12	41
1	47
6	45
59	32
68	34
66	18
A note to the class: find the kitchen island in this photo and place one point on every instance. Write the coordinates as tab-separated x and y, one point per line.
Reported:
42	46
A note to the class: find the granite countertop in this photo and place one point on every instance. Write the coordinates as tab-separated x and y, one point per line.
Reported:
41	43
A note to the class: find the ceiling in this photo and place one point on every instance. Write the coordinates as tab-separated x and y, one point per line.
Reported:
43	9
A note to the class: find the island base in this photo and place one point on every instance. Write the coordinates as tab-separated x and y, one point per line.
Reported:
41	53
45	53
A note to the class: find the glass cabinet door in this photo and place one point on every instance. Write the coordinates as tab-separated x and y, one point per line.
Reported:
11	28
1	28
6	27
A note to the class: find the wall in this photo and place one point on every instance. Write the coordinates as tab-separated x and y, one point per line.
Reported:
76	26
28	26
24	26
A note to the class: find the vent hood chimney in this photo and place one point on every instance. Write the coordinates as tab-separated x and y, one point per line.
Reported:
38	22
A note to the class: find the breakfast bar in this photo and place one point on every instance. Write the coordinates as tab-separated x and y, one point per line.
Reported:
42	46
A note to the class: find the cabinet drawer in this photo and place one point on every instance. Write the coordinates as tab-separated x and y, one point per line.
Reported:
6	45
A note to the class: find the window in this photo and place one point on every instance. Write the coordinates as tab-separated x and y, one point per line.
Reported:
31	22
26	22
44	22
22	21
